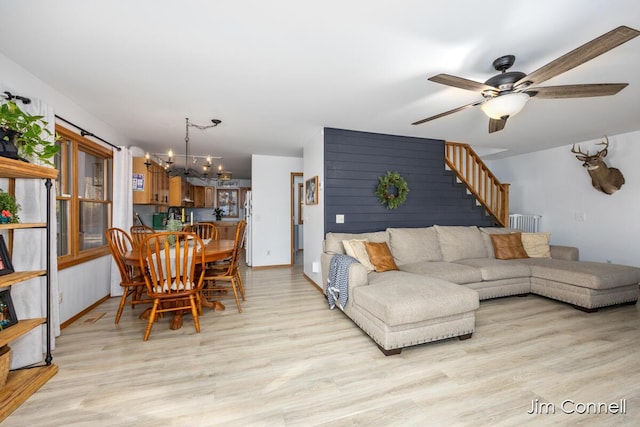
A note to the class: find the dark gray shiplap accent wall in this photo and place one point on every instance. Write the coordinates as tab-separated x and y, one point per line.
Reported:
354	160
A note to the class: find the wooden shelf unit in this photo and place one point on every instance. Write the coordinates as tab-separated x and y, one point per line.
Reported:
22	383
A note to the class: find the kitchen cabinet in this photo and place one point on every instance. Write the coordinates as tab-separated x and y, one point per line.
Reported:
151	185
209	197
23	383
198	197
203	197
180	192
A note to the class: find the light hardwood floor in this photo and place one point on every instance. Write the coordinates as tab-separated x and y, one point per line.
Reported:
289	361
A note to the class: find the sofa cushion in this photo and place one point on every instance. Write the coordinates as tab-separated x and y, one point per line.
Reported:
452	272
497	269
380	256
508	246
410	245
536	244
460	242
486	237
403	298
355	248
333	241
593	275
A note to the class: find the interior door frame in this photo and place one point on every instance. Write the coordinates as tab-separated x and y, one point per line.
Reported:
292	215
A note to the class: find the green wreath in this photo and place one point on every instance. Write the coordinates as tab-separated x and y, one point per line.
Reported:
396	198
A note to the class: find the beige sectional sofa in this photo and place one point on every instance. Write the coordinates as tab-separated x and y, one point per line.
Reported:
443	273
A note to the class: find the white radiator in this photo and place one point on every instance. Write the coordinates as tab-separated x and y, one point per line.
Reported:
526	223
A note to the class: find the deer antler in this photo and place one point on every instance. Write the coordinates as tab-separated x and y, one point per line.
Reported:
605	143
573	150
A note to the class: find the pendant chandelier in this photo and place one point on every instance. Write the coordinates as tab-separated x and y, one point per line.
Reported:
193	165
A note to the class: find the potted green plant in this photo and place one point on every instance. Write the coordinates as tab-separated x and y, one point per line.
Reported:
8	208
173	225
28	134
218	212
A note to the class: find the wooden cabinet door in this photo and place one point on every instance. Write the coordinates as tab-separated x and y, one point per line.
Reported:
142	187
208	197
175	191
198	197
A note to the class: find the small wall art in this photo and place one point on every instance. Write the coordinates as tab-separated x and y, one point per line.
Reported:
7	312
311	191
5	260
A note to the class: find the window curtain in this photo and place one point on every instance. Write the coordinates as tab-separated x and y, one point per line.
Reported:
122	204
30	253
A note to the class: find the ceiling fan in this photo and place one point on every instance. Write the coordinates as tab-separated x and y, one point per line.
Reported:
505	94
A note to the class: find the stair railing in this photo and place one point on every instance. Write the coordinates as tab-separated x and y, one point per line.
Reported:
480	181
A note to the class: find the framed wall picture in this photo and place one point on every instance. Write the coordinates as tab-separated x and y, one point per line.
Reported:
227	200
5	261
311	191
7	312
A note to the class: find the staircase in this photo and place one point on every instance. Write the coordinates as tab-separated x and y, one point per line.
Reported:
480	182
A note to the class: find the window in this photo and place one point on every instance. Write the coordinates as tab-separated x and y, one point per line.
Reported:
83	198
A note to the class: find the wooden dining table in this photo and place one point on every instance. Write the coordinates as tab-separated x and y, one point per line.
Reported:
214	250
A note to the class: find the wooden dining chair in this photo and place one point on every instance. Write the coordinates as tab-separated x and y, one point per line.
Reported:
171	278
131	280
215	277
204	230
139	232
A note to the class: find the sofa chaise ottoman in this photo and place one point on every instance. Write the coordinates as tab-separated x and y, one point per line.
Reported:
398	309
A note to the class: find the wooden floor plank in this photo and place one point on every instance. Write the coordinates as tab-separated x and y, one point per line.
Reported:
287	360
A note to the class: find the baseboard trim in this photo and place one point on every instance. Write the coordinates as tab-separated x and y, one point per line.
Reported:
265	267
315	285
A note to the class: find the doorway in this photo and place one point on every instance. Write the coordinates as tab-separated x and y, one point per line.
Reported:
297	221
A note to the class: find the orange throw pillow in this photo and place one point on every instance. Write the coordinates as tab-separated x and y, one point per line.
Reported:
508	246
380	256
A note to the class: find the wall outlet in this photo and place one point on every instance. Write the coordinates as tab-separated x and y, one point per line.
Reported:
315	267
580	216
60	295
339	219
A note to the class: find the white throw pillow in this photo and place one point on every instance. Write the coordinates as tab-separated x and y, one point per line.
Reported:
536	245
355	248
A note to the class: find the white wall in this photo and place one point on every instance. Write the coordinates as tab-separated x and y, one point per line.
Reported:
84	284
313	215
554	184
270	222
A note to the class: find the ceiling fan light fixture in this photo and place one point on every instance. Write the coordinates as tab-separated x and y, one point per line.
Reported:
508	105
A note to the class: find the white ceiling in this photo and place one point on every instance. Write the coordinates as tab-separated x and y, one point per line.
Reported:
276	72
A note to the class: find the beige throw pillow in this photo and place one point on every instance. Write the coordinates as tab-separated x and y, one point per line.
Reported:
355	248
536	244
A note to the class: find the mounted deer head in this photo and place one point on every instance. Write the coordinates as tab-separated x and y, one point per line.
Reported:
603	178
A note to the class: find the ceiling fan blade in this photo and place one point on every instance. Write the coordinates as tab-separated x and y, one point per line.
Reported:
580	55
577	91
446	113
461	83
497	124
